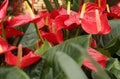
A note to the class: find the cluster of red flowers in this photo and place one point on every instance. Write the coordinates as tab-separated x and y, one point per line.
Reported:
92	17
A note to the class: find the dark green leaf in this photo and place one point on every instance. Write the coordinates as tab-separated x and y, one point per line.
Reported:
105	52
30	37
34	71
12	73
69	66
48	5
110	39
112	2
118	52
67	48
57	4
75	5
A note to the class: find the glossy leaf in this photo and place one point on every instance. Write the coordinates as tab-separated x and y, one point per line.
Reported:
43	48
12	73
30	37
35	71
113	35
69	66
67	48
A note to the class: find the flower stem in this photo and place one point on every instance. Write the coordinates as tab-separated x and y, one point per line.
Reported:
77	32
39	34
19	56
67	34
3	31
16	40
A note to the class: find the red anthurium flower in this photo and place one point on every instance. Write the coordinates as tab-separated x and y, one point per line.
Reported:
116	9
74	19
95	22
19	20
3	9
45	16
10	32
97	56
59	22
4	47
54	38
54	14
101	4
27	60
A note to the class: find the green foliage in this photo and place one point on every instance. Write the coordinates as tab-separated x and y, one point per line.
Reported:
75	5
114	67
30	37
12	73
111	41
56	4
43	48
48	5
61	61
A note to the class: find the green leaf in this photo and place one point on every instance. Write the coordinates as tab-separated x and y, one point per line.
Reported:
52	67
40	70
43	48
114	67
75	5
30	37
112	2
68	48
12	73
57	4
48	5
104	52
118	52
70	68
111	41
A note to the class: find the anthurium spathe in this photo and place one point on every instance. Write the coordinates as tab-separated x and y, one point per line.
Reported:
3	9
27	59
10	32
101	4
95	22
53	38
116	9
97	56
4	46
